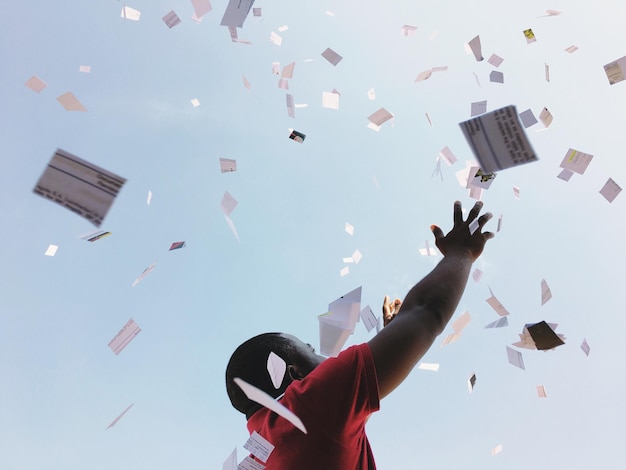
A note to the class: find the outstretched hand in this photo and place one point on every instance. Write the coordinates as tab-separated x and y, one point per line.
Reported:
459	239
390	309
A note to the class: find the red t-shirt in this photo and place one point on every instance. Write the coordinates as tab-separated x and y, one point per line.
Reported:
333	402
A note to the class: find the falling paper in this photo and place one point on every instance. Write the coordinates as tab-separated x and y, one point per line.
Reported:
276	367
516	192
228	203
497	139
177	246
201	7
565	175
248	463
258	446
291	110
124	336
380	117
502	322
496	450
228	165
496	305
70	102
544	336
427	366
236	13
51	250
576	161
474	45
231	461
35	83
477	275
129	13
530	36
478	107
515	358
471	383
371	94
528	118
171	19
495	60
84	69
283	83
585	347
114	422
297	136
267	401
231	225
344	271
500	222
541	391
195	102
408	30
145	272
615	70
95	236
447	156
425	75
76	184
275	39
547	71
149	199
288	70
571	49
546	293
496	77
330	100
331	56
357	256
349	229
246	83
257	12
610	190
369	319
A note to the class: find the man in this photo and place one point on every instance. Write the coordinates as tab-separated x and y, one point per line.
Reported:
335	397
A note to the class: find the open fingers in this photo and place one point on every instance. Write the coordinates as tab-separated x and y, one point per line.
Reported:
458	213
474	212
483	219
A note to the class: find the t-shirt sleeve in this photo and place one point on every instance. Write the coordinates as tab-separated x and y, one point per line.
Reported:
340	393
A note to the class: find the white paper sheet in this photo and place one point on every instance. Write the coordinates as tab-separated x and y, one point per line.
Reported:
495	304
546	293
276	368
610	190
576	161
228	165
369	319
70	102
124	336
616	70
51	250
515	358
145	272
36	84
258	446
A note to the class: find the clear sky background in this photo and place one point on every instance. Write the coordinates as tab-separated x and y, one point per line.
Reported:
61	385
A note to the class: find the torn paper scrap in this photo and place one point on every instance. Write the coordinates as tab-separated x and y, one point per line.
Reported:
502	322
615	70
545	117
379	117
576	161
530	36
544	336
124	336
35	83
585	347
171	19
451	338
129	13
515	358
571	49
447	156
276	367
546	293
70	102
528	118
236	13
610	190
498	140
145	272
428	119
201	7
283	28
331	56
51	250
408	30
275	39
479	107
496	77
228	165
177	246
477	275
474	45
95	236
195	102
267	401
495	304
80	186
349	229
231	461
495	60
228	203
496	450
114	422
427	366
369	319
541	391
258	446
471	382
330	100
297	136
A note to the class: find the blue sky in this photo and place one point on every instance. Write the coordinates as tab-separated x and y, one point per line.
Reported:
62	385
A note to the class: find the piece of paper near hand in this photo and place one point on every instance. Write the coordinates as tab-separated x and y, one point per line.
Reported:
546	293
330	100
616	70
70	102
610	190
427	250
228	203
231	461
51	250
248	463
236	13
80	186
171	19
496	305
460	323
491	137
228	165
267	401
530	36
145	272
114	422
331	56
124	336
129	13
35	83
576	161
369	319
258	446
515	357
544	336
475	46
276	367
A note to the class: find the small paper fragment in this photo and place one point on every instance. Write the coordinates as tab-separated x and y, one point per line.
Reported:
258	446
471	382
114	422
576	161
477	275
51	250
331	56
496	305
496	77
610	190
195	102
276	367
145	272
124	336
231	461
565	175
275	39
502	322
528	118
344	271
84	69
447	156
349	229
541	391
479	107
496	450
70	102
571	49
546	293
36	84
530	36
171	19
129	13
177	246
515	358
228	165
495	60
369	319
427	366
408	30
228	203
615	70
585	347
149	198
475	46
516	192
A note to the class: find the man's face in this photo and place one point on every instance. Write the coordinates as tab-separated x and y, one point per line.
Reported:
305	353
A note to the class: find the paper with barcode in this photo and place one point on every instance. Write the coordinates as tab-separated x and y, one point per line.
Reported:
258	446
498	140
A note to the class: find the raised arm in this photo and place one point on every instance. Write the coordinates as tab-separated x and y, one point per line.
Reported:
430	304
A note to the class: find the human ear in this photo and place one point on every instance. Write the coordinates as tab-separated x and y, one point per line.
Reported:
294	372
